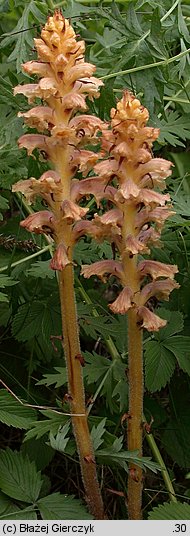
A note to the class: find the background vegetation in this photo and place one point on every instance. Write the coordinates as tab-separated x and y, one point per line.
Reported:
143	46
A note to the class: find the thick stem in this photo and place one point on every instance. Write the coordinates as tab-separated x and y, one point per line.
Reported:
76	393
135	377
135	374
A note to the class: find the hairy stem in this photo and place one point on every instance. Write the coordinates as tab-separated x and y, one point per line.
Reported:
135	378
76	393
135	374
149	436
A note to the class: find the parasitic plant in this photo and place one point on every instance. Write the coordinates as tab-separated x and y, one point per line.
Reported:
132	179
65	81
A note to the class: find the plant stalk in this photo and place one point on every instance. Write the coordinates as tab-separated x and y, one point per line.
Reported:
134	433
76	392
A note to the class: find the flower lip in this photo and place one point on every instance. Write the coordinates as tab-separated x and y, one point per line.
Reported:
149	320
157	269
39	222
123	302
101	268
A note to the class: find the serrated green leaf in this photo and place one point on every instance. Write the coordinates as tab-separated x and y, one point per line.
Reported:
173	128
120	458
96	366
41	269
175	323
52	423
27	321
22	35
60	441
12	413
97	433
6	281
59	379
180	347
159	365
19	478
10	510
57	506
170	511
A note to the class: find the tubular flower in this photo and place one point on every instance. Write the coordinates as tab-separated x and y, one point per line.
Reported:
139	213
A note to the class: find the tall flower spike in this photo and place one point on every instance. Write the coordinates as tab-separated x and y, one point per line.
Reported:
134	224
65	82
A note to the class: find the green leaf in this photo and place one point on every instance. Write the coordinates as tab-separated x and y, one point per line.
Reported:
60	441
19	478
97	433
6	281
39	452
57	506
4	204
170	511
159	365
41	269
10	510
173	128
27	321
180	347
52	423
112	455
59	379
96	366
22	35
13	413
176	437
175	323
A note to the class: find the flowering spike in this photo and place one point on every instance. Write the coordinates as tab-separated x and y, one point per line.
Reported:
65	81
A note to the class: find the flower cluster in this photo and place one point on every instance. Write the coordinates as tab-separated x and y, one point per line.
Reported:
64	82
130	179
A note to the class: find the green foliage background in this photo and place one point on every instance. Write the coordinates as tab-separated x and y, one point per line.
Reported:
142	45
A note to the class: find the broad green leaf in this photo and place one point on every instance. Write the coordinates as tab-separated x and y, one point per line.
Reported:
170	511
27	321
10	510
97	433
159	365
180	347
13	413
174	324
19	478
57	506
38	451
